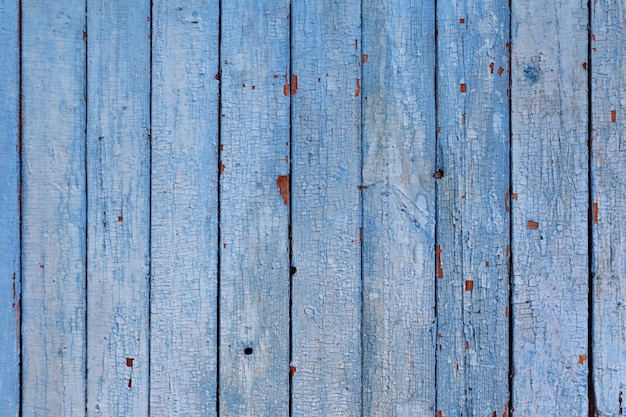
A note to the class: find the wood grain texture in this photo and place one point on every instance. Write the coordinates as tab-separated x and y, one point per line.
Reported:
326	212
53	208
254	216
608	168
183	321
398	208
118	176
473	208
9	219
550	182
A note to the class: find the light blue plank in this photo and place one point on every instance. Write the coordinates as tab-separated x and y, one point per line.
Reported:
183	344
550	181
608	66
326	212
254	210
53	208
398	208
473	208
9	207
118	177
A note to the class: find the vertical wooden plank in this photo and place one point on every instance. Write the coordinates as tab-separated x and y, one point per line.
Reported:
608	168
550	202
473	208
326	211
53	208
9	220
254	211
398	208
183	338
118	175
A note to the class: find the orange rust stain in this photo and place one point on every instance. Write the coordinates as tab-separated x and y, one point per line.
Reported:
581	359
438	258
294	84
595	213
439	413
275	76
506	202
508	45
224	245
358	88
221	147
363	58
495	414
360	234
532	225
129	362
592	37
613	116
222	167
506	311
463	119
487	263
356	44
463	88
286	89
283	185
463	197
292	370
469	285
466	344
120	218
439	129
507	250
506	411
500	71
584	65
514	195
461	21
491	66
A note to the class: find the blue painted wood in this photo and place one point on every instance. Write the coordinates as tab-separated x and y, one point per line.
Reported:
9	207
398	208
53	208
608	67
254	209
326	211
183	321
550	182
473	208
118	177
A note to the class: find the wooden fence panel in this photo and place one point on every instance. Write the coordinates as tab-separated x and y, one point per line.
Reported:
398	208
9	207
53	208
608	168
550	203
183	319
326	211
118	177
473	208
254	209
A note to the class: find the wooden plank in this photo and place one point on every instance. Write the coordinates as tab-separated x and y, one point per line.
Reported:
9	220
550	202
254	211
326	211
183	338
473	208
608	167
398	208
118	177
53	208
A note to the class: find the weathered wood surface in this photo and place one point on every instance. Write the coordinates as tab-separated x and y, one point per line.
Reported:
10	210
398	208
183	319
608	204
254	209
550	206
326	210
118	178
472	208
53	208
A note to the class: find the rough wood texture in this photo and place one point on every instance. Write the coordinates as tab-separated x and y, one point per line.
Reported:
608	66
183	321
254	210
53	208
550	182
398	208
9	209
118	176
473	208
326	216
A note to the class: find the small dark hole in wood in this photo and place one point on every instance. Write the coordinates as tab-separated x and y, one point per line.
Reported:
248	351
